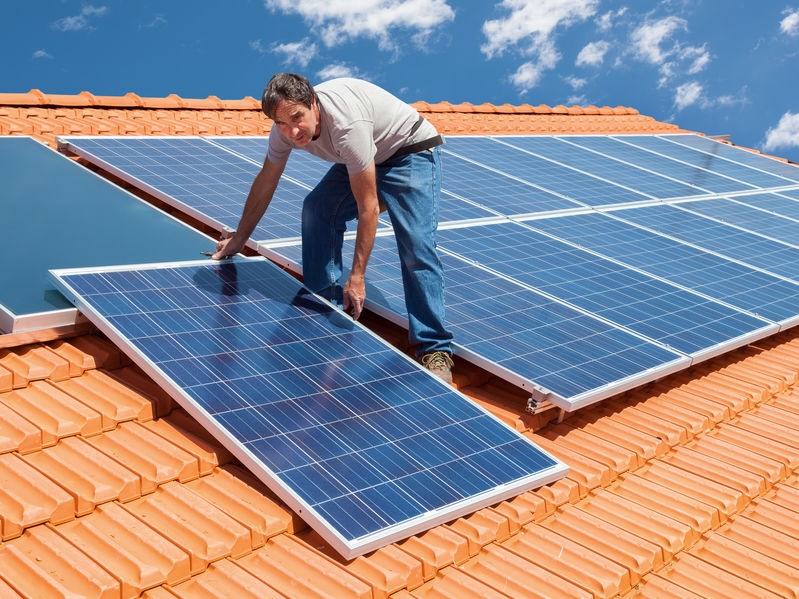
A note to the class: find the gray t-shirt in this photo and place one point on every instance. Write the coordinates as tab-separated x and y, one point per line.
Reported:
361	122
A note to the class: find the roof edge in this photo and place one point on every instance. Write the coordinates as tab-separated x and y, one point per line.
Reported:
38	98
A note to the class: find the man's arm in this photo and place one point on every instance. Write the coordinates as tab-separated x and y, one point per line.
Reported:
364	188
261	192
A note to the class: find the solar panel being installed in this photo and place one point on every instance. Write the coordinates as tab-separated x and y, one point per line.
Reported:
355	437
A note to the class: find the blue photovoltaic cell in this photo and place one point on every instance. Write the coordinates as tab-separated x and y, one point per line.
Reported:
658	310
776	203
791	193
354	436
740	155
552	177
701	179
711	161
729	241
500	193
730	282
748	213
535	342
208	181
607	168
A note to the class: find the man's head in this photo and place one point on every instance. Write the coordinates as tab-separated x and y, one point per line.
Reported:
290	101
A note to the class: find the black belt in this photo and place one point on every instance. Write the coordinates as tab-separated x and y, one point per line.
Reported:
419	146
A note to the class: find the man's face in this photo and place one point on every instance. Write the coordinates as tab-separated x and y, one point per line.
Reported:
297	122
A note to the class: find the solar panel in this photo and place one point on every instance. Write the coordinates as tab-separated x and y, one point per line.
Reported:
693	175
555	351
555	178
739	155
649	306
675	147
744	246
567	152
354	436
710	274
58	214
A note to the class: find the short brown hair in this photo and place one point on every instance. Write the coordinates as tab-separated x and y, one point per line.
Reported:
284	87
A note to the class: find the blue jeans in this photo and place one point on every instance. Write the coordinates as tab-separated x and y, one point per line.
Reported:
410	187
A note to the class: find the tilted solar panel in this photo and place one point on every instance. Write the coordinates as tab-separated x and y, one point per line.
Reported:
745	246
568	152
354	436
733	283
693	175
713	160
633	300
547	175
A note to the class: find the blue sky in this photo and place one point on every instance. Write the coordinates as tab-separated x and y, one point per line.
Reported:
721	67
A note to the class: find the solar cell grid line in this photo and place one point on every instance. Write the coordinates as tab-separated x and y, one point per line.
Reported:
544	174
750	216
707	273
588	161
727	240
791	193
739	155
651	307
351	434
555	351
497	191
754	178
703	180
195	176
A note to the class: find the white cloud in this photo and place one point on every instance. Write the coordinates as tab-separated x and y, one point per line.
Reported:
528	30
650	39
80	21
337	21
333	71
529	73
790	23
606	21
784	135
688	94
655	43
530	25
575	82
42	54
296	53
592	54
697	57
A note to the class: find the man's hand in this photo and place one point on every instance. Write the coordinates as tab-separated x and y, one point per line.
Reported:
354	296
226	248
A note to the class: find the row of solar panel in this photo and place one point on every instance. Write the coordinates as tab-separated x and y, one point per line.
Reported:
482	177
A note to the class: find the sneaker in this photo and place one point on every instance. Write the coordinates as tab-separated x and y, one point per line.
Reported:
440	364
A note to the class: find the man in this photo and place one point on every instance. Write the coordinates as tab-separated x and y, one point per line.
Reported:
384	155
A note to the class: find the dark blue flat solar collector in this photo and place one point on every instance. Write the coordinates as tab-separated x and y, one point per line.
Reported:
354	436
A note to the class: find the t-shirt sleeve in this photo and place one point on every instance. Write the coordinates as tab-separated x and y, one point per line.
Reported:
279	148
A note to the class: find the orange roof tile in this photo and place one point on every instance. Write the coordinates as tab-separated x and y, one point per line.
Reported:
683	488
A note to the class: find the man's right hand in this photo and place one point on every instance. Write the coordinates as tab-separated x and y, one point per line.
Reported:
226	248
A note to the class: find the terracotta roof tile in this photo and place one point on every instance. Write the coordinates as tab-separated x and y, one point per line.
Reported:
681	488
